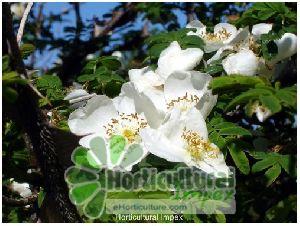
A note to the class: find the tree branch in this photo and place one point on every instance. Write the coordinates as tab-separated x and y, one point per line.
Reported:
23	22
19	202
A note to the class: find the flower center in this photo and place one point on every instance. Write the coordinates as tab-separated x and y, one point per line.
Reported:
184	103
219	36
130	134
127	126
197	147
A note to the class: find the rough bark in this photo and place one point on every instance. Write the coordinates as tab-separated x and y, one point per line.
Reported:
35	124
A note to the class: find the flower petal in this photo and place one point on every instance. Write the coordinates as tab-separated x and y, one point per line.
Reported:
207	103
90	119
144	78
260	29
76	93
244	62
229	28
195	122
174	59
287	47
200	28
219	54
180	82
216	166
159	145
152	104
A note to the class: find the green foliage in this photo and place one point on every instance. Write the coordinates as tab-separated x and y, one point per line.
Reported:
99	75
225	84
271	11
26	50
281	210
224	134
51	87
239	157
159	42
283	17
250	90
273	162
9	79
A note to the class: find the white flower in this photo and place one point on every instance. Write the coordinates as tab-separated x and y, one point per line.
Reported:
287	47
260	29
90	56
184	90
22	189
145	78
244	62
104	118
223	35
78	97
184	138
148	88
17	9
174	58
262	113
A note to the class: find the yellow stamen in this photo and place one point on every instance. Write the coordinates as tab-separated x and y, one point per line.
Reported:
197	147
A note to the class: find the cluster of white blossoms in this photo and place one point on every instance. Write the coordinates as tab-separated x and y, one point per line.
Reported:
243	46
164	110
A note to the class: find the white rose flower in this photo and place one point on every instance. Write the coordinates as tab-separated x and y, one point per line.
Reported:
101	120
78	98
174	58
223	35
260	29
244	62
184	138
23	189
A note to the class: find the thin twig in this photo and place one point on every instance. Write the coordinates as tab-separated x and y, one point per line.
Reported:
19	202
23	22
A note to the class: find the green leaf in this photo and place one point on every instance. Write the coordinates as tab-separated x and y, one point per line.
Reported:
271	102
289	164
239	157
233	82
217	139
110	62
156	49
263	164
26	50
5	63
229	128
86	78
12	78
220	217
113	88
41	197
288	96
9	94
192	41
48	81
272	173
280	211
247	96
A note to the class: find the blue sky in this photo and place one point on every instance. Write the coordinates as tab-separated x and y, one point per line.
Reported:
88	10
